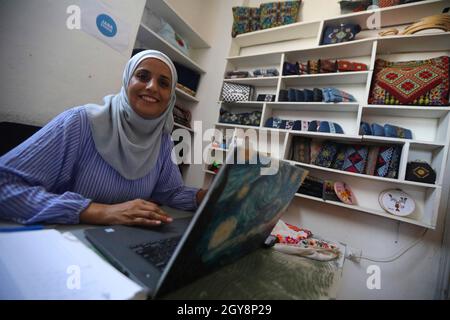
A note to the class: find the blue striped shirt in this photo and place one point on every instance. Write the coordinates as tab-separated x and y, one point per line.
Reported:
57	173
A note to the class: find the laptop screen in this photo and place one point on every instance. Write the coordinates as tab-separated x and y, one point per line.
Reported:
238	213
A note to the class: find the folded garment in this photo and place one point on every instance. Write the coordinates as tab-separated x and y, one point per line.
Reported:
271	72
336	95
397	132
237	74
344	65
324	126
283	95
290	68
300	96
313	66
309	95
246	118
327	66
377	130
292	95
317	95
364	129
284	124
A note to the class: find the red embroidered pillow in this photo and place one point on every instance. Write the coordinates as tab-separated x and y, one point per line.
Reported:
422	82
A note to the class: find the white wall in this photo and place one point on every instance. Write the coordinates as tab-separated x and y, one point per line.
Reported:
412	276
47	68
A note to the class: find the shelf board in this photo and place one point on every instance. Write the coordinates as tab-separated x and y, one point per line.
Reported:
394	15
408	111
348	49
292	31
164	10
366	210
184	96
326	135
255	60
256	81
359	77
151	39
365	176
244	104
414	43
315	106
424	145
182	127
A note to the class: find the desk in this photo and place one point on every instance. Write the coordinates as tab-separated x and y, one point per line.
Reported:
263	274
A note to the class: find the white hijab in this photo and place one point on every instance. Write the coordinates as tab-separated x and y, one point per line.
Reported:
125	140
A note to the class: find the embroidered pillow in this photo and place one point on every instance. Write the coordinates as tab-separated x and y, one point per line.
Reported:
276	14
245	19
421	82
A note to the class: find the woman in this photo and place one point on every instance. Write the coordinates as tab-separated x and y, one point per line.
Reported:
103	164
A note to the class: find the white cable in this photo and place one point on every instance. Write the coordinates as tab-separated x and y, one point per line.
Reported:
398	255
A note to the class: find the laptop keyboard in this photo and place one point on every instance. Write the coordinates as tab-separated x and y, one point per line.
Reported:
158	252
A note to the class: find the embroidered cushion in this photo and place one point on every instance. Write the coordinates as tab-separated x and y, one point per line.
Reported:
276	14
245	19
233	92
342	33
327	154
421	82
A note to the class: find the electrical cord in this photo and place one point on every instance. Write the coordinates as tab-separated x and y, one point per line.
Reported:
398	255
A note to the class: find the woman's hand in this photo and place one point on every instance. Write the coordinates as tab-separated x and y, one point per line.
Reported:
132	213
200	195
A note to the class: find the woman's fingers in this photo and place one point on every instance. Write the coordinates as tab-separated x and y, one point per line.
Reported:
144	222
151	215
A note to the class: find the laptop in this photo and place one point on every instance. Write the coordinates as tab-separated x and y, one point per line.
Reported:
236	216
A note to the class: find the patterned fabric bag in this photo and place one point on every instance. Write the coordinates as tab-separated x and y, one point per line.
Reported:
355	158
246	118
301	148
245	19
388	162
421	82
232	92
276	14
342	33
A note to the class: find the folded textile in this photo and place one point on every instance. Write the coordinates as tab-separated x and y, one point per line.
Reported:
327	154
301	149
284	124
327	66
298	241
341	33
336	95
237	74
397	132
377	130
312	186
355	158
317	95
421	82
290	69
364	129
271	72
266	97
388	161
283	95
313	66
246	118
344	65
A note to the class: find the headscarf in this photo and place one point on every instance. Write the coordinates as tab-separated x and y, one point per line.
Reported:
125	140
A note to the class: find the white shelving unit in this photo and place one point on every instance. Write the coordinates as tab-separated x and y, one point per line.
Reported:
270	48
148	38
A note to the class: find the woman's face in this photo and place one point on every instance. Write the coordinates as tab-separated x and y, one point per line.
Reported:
149	89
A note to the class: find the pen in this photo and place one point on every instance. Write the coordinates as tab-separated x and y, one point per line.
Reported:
21	228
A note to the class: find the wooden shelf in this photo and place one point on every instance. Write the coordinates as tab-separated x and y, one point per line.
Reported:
151	39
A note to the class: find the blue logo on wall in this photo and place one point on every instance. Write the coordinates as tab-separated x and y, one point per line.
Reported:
106	25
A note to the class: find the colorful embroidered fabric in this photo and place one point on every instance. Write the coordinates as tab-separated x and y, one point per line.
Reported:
422	82
276	14
246	118
301	149
355	158
327	154
245	19
388	162
342	33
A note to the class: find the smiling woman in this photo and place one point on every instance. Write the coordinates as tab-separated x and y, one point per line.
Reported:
103	164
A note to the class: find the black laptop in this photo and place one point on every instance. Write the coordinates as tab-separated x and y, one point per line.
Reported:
237	214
